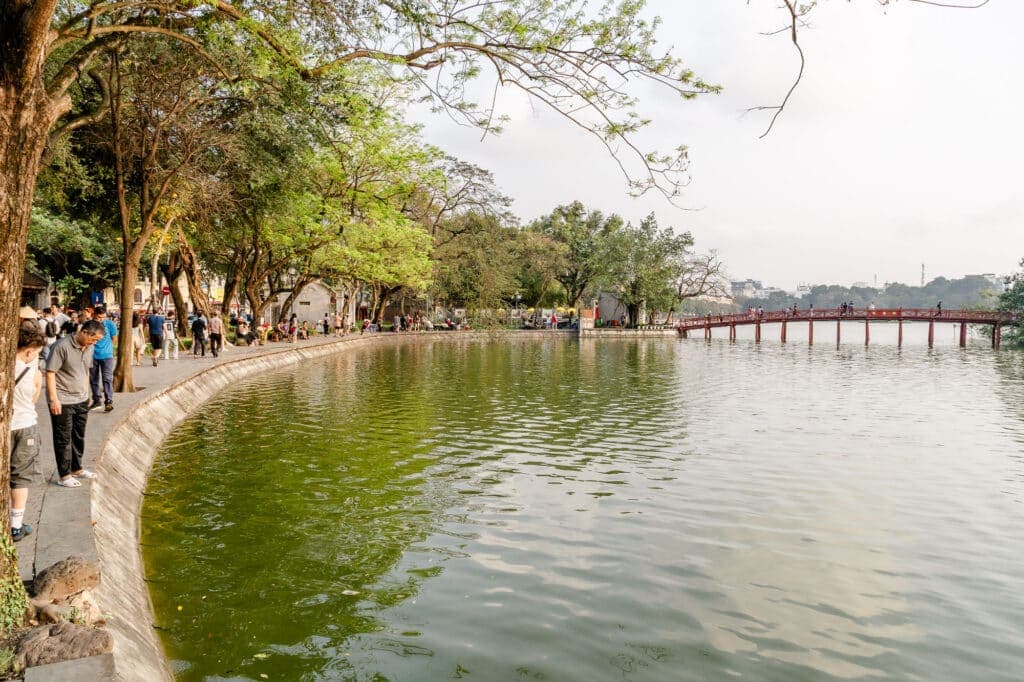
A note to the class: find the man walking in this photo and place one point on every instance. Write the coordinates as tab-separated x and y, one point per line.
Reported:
199	334
156	333
216	334
103	363
67	393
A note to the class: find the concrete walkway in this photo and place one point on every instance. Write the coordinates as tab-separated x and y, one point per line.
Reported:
61	517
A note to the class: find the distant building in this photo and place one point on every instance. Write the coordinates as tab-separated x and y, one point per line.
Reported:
802	290
35	291
998	281
767	292
744	288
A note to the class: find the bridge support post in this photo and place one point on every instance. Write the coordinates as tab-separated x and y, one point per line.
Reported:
732	332
867	332
963	334
685	334
997	335
707	333
757	331
931	333
810	332
899	336
838	333
783	331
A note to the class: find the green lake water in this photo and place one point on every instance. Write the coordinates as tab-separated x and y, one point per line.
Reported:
607	510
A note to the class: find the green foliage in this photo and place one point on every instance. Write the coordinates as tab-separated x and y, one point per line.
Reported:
1012	300
589	238
13	598
7	661
645	261
74	253
475	262
973	291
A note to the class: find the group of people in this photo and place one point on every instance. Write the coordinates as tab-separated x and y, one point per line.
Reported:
69	355
77	375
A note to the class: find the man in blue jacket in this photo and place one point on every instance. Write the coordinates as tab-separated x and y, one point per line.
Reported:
103	363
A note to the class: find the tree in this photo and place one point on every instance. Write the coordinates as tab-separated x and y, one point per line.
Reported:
387	255
74	253
540	260
1012	301
475	261
588	236
165	123
696	275
647	266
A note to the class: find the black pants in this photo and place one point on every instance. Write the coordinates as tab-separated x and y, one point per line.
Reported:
69	436
215	344
199	344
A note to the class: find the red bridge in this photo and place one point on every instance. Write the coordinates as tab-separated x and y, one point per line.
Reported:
898	315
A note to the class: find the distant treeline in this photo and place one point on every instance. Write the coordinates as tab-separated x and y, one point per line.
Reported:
973	291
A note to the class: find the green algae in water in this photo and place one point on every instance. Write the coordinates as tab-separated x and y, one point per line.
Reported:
596	511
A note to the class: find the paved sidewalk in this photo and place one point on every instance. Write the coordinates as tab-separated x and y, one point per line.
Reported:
61	518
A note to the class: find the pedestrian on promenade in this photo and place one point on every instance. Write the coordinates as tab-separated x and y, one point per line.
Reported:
156	333
67	393
72	324
61	318
138	338
337	323
171	337
102	372
199	335
28	383
51	330
216	335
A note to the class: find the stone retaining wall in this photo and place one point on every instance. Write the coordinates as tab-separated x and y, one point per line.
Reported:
123	466
622	333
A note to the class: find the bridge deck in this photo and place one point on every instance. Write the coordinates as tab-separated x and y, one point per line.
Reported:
993	317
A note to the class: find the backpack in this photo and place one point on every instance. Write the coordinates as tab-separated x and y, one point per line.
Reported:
51	329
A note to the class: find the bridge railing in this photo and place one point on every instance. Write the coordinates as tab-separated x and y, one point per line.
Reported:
925	314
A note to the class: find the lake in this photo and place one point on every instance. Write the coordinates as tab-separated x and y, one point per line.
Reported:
600	510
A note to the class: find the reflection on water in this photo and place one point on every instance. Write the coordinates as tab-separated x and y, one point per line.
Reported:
599	510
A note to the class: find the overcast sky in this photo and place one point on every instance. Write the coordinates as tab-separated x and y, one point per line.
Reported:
902	146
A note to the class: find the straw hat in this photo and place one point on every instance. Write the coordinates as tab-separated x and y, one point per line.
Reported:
27	312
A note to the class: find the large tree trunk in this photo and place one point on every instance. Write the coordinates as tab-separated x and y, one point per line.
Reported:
123	368
301	282
26	116
172	273
230	288
257	303
180	305
190	264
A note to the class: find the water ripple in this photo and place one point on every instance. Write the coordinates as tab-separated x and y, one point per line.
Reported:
588	511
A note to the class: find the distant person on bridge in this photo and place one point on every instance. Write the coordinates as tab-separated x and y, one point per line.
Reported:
939	307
